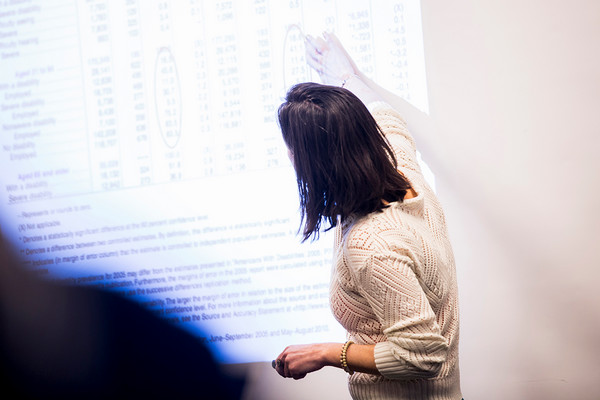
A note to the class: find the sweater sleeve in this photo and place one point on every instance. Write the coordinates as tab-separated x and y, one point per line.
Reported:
414	347
396	132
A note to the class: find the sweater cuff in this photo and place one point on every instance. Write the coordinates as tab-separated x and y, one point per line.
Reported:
381	107
386	363
377	105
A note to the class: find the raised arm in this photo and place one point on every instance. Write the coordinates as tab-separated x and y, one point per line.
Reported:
328	57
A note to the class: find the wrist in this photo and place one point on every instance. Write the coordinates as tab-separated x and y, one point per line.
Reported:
331	354
356	85
346	77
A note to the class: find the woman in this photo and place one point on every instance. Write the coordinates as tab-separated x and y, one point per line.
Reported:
393	283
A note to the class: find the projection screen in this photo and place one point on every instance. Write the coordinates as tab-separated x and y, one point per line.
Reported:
141	153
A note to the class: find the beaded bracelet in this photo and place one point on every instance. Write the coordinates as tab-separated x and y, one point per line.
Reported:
343	359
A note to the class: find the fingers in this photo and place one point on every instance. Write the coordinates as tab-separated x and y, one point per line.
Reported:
314	63
315	49
276	364
316	44
279	364
283	368
328	58
332	39
318	60
334	43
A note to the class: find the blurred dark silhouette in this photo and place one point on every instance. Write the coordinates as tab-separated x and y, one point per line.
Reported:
60	341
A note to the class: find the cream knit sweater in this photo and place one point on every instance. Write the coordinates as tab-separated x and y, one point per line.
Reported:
394	285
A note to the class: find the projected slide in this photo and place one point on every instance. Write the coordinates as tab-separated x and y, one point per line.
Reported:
140	153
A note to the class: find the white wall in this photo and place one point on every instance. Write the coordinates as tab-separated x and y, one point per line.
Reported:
515	94
515	98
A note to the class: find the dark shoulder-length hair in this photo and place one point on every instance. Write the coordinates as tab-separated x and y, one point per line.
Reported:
344	164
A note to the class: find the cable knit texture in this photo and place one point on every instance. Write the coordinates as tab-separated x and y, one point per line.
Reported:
394	285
